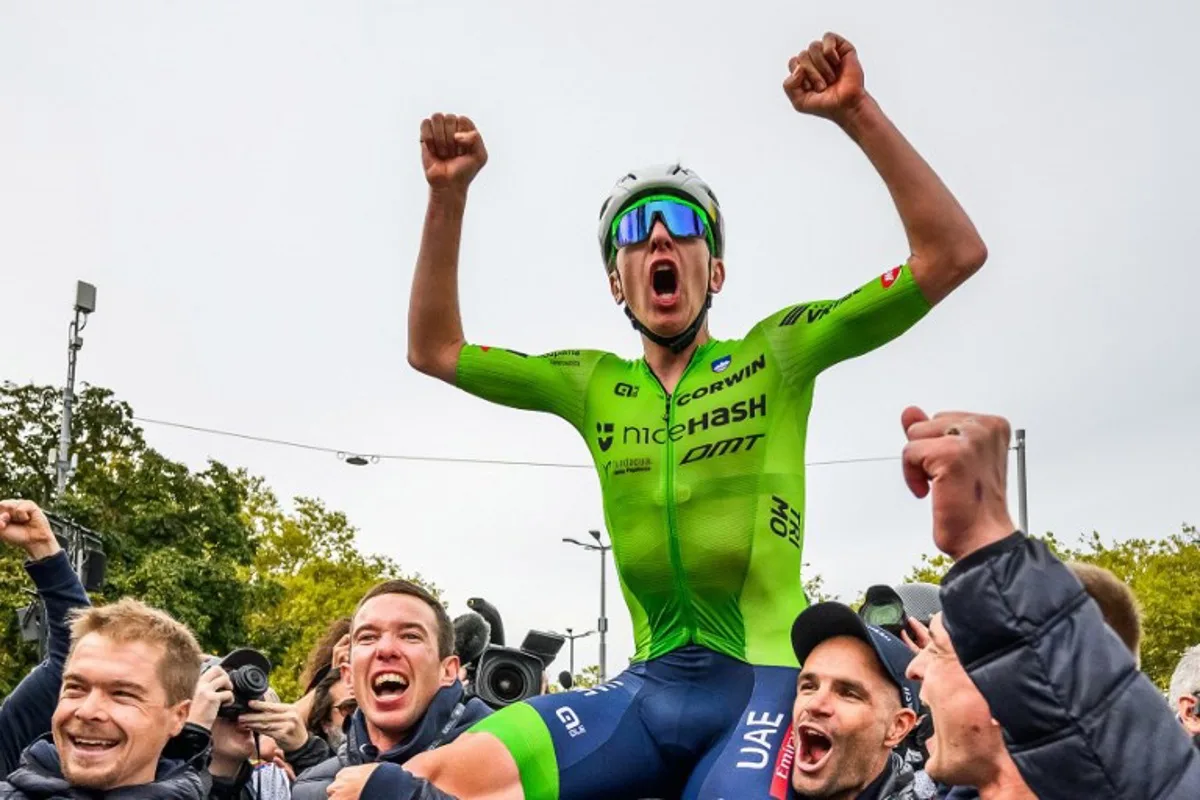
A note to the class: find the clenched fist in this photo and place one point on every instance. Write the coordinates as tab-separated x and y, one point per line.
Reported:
826	80
23	525
452	151
963	460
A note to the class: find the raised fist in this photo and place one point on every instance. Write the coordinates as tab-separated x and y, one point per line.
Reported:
826	79
23	525
452	151
963	460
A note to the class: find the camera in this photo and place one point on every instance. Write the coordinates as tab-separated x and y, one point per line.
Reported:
247	670
507	675
499	675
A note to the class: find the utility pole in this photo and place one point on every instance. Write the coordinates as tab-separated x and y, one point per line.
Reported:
1022	497
85	304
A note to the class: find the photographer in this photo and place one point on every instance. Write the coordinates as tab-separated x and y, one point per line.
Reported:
405	678
26	713
126	690
248	725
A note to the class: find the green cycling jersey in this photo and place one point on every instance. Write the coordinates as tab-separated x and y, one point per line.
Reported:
704	487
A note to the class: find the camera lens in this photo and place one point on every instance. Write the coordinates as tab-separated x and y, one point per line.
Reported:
884	615
509	683
249	682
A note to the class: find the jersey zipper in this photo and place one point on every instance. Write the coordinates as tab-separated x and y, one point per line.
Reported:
685	601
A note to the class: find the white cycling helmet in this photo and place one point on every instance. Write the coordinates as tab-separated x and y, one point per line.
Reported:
659	179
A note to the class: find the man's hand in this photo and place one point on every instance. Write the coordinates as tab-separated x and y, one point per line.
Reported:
280	721
964	458
213	691
349	783
452	151
23	525
826	79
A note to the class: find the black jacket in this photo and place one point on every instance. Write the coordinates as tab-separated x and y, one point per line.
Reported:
1079	719
39	777
25	715
450	713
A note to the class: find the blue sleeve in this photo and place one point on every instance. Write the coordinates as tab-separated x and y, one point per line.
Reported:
393	782
26	713
1079	719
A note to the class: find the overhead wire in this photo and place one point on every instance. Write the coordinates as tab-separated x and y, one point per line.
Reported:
342	452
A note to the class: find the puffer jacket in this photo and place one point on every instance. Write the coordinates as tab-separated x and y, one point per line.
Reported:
1079	719
449	714
25	715
39	777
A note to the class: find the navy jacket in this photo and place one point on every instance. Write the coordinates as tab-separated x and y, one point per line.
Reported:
441	723
25	714
39	777
1079	719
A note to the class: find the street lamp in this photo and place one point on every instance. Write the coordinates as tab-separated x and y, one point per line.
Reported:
602	626
571	637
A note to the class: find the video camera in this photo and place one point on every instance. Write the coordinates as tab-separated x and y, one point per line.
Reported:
499	675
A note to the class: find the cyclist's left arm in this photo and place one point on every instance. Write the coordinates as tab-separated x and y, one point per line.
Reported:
810	337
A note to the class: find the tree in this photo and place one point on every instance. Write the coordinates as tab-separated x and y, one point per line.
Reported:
588	678
213	547
306	573
1156	570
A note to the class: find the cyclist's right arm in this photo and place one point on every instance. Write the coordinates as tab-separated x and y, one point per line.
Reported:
435	332
452	153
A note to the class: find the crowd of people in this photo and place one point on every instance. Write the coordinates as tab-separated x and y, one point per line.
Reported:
1025	679
1017	677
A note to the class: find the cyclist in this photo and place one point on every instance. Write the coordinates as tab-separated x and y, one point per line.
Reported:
699	448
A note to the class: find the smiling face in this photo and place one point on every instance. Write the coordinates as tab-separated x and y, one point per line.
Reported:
394	664
665	281
967	743
847	719
112	719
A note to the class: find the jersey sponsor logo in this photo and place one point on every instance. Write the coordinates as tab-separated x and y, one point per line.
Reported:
716	418
811	312
567	716
604	438
732	379
626	466
786	521
722	363
625	390
781	778
757	742
487	348
564	358
887	279
703	452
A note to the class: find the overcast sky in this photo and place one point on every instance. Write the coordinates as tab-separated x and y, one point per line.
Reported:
242	183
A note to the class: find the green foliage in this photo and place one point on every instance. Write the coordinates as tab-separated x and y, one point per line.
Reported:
214	548
814	588
588	678
306	573
1157	570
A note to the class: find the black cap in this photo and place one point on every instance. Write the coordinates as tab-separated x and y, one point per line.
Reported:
827	620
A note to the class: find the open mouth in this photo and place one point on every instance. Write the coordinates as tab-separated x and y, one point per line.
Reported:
389	685
92	745
664	279
813	748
